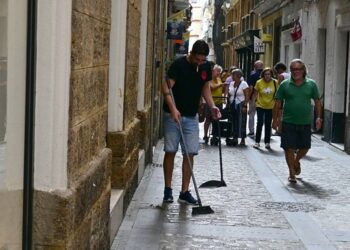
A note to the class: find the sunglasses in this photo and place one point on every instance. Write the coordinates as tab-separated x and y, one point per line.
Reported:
296	69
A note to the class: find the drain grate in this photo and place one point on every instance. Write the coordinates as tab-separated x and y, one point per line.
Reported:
290	206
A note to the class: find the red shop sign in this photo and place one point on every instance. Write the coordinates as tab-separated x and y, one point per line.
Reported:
296	32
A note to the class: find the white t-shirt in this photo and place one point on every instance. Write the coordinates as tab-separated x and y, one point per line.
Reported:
285	75
240	97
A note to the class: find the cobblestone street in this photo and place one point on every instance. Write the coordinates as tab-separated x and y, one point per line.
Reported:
258	209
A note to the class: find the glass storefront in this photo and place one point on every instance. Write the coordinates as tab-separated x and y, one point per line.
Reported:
13	30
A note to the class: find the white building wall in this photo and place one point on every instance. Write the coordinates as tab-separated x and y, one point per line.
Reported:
201	23
117	65
52	94
324	44
335	63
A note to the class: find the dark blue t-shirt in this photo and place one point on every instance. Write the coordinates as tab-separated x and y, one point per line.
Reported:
254	77
188	85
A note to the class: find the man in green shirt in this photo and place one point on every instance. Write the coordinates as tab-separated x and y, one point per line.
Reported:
296	93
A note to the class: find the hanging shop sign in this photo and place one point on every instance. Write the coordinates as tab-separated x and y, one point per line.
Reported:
176	26
245	40
175	30
258	45
266	38
296	32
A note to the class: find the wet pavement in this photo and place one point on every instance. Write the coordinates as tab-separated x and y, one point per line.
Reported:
258	209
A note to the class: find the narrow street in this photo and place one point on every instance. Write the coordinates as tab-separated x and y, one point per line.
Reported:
259	208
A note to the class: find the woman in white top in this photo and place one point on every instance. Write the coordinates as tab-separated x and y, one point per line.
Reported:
239	97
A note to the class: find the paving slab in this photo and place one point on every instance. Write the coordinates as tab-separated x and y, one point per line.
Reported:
258	209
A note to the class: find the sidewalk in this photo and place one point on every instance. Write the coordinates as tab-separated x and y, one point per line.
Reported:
258	209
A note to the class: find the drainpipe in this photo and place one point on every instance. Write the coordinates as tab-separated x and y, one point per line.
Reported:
29	127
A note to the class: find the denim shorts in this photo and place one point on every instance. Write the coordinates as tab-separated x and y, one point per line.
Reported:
172	135
295	136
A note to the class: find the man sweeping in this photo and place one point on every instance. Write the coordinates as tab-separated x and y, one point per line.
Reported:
188	79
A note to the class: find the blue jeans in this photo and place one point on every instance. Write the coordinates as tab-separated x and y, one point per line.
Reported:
172	135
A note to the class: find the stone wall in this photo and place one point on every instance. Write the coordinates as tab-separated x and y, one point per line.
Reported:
125	144
78	218
132	60
145	115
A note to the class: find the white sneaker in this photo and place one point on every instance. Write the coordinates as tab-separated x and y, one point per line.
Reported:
267	146
256	145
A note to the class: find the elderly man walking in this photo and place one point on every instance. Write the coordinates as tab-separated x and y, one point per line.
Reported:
297	93
252	79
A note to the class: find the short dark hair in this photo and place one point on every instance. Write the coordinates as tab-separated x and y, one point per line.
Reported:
280	65
200	47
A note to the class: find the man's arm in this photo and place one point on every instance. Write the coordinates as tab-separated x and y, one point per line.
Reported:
206	93
318	109
276	114
166	87
214	85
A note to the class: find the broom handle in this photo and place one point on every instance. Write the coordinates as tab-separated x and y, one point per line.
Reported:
190	165
185	146
220	153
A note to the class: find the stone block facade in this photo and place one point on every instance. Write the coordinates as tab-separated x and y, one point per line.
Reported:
98	160
132	61
78	218
125	144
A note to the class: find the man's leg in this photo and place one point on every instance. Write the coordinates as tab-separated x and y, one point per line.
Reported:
190	147
171	142
300	154
289	154
168	167
186	172
251	123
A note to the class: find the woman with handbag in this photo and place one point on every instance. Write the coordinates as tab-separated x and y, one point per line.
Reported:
239	97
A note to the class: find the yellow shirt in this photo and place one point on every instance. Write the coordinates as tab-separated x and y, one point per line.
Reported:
217	92
266	93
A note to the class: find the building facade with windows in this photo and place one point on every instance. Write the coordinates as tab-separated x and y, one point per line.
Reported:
324	46
80	114
242	28
271	21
